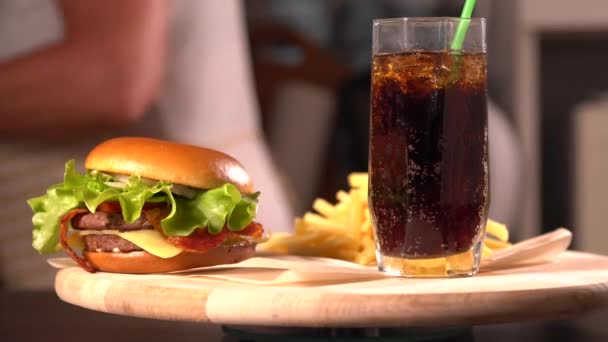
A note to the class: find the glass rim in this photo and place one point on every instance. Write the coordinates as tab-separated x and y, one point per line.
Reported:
380	21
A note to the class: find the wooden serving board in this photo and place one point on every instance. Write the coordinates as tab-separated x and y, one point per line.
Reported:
575	284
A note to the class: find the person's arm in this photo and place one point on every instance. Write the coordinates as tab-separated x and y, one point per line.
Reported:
105	72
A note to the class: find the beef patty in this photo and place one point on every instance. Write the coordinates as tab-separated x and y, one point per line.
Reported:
102	220
108	243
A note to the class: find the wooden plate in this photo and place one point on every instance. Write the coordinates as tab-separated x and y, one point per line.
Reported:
575	284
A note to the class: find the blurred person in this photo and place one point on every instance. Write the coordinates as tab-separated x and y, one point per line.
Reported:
73	73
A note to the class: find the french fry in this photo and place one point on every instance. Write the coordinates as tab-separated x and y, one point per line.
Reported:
486	252
366	228
355	217
333	248
366	257
277	243
498	230
323	223
495	244
325	208
358	180
343	196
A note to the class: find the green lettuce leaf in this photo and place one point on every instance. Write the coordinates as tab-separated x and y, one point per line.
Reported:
243	212
136	193
48	210
211	208
214	208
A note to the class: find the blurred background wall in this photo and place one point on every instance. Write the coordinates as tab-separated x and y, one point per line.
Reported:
545	59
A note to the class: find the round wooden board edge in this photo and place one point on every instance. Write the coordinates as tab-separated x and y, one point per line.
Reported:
220	305
186	305
514	306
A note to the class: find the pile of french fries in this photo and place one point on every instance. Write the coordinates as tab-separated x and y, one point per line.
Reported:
344	230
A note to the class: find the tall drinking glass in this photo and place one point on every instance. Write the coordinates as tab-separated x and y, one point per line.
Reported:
428	165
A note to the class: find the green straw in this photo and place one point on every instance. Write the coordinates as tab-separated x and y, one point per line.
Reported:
463	25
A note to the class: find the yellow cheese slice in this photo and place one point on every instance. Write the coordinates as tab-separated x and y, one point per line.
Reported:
149	240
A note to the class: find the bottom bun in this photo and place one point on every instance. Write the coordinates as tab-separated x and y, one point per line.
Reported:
143	262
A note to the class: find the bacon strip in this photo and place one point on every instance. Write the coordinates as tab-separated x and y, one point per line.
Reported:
63	238
253	229
201	241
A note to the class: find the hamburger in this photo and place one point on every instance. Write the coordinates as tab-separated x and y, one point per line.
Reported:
148	206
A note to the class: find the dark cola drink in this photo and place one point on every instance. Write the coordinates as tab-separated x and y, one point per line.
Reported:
428	153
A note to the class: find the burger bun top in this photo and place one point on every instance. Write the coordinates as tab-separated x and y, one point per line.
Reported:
193	166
